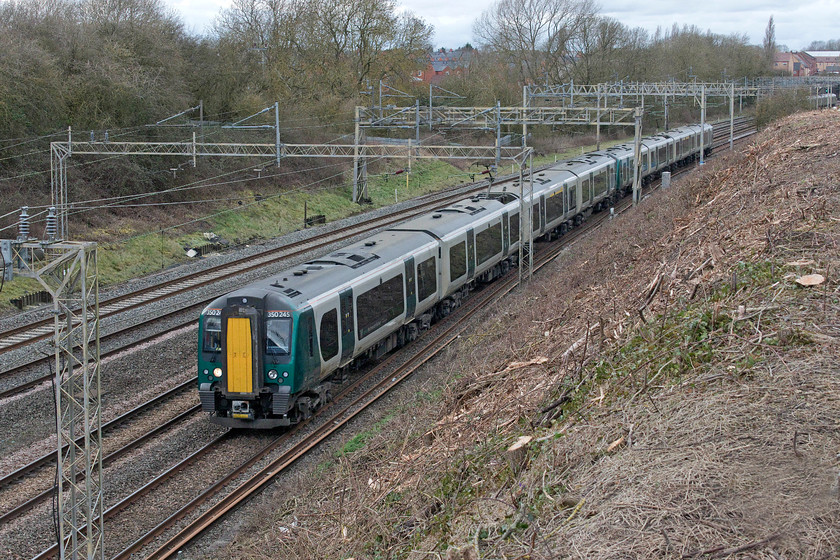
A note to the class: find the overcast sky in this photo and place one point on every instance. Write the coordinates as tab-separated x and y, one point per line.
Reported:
797	22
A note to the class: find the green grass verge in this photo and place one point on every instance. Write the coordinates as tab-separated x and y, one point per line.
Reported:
152	251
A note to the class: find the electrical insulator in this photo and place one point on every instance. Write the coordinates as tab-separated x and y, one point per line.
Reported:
52	224
23	224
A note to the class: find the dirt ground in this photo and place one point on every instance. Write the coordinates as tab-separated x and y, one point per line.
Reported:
672	382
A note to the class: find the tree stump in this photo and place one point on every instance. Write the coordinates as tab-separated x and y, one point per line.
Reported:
517	454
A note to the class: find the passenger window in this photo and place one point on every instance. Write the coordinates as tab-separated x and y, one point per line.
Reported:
600	183
584	189
554	207
514	228
329	335
278	336
488	243
457	261
379	305
426	279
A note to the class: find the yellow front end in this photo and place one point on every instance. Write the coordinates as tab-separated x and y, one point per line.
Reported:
240	358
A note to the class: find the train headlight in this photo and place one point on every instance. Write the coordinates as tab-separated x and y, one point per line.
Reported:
285	374
217	372
272	374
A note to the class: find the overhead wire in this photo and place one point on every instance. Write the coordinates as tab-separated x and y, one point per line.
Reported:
117	202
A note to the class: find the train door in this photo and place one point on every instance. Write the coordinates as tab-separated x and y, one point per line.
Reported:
348	340
241	349
240	356
470	253
410	288
505	233
571	207
538	227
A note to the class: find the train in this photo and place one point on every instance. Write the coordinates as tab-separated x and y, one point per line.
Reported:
823	100
270	352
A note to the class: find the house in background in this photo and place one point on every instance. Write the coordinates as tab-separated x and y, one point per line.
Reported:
443	63
826	62
794	63
808	63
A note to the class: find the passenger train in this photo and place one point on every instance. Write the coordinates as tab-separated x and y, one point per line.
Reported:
269	351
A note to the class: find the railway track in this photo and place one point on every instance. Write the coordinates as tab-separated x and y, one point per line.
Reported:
22	508
213	507
47	460
43	329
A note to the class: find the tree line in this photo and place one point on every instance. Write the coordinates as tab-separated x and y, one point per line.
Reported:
121	63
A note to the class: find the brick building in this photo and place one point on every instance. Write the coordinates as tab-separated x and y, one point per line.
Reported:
826	62
794	63
808	63
443	63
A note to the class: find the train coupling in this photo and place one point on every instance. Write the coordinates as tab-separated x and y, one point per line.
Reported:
242	410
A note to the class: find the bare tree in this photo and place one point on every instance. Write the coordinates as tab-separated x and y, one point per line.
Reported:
599	46
315	48
831	45
770	43
533	35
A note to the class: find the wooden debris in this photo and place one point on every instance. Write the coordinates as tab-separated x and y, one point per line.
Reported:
568	353
810	280
517	454
517	365
616	444
721	551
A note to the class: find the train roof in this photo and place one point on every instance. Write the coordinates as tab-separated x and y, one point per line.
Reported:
296	287
554	175
586	163
655	141
447	220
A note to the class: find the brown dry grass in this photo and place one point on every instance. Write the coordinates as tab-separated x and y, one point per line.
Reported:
698	405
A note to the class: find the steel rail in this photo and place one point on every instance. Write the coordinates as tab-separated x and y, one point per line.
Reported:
139	409
108	459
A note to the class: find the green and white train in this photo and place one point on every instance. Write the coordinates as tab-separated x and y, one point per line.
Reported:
269	351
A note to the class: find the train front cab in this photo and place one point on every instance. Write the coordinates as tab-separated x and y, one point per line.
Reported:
251	364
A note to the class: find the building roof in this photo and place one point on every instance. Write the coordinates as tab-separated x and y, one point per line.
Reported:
452	58
823	54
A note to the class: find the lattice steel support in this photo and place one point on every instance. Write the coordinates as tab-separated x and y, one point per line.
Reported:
58	181
637	157
69	273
